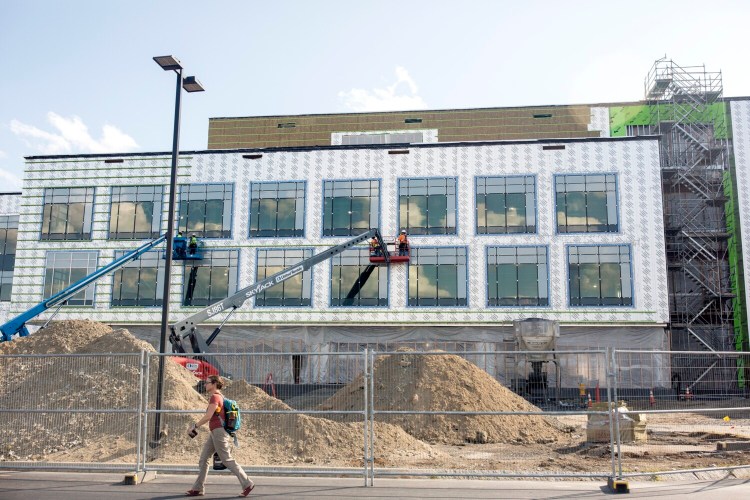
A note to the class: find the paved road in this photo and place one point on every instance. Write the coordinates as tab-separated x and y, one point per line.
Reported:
100	486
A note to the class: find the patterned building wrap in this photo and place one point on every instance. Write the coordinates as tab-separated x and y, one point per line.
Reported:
635	163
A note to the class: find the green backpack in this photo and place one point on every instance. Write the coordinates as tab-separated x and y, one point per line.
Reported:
233	416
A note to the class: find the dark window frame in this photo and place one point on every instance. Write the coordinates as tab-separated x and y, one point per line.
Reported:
213	265
483	184
49	288
57	207
417	269
357	258
137	267
334	204
156	197
189	226
495	256
410	188
256	209
8	244
625	285
278	296
563	205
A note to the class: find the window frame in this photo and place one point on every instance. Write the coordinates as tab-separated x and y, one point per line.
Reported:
156	215
92	286
364	258
226	231
233	254
404	223
615	195
412	263
307	252
7	265
137	263
302	231
630	276
88	213
546	277
375	207
534	208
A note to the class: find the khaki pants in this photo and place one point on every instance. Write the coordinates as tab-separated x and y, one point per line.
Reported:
219	441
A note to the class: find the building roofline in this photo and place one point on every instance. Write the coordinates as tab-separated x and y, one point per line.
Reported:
277	149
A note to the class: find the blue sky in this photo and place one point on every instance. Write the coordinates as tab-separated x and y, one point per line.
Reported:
78	76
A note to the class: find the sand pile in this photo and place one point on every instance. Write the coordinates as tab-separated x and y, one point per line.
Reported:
446	382
81	384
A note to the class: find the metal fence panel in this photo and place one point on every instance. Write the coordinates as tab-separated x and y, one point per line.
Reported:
285	428
699	420
456	419
70	410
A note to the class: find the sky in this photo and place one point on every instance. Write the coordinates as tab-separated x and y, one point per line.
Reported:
77	77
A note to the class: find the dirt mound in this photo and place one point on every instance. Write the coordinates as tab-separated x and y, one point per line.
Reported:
60	337
444	382
102	380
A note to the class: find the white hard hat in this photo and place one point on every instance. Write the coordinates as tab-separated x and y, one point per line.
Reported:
403	230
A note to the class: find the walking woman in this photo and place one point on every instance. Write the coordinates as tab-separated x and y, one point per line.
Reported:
219	441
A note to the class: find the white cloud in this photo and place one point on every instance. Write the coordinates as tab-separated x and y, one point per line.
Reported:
9	181
401	95
72	136
3	154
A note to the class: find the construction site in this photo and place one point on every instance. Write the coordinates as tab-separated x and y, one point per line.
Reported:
570	300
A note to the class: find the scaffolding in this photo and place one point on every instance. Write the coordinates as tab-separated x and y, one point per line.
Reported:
688	113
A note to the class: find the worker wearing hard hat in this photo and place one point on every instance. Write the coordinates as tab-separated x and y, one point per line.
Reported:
403	243
192	244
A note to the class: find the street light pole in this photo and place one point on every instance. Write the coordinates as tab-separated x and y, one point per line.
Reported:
170	63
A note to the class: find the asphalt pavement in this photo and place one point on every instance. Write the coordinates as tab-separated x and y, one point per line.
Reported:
25	485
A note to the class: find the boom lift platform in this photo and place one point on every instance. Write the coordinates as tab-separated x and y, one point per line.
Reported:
184	335
17	326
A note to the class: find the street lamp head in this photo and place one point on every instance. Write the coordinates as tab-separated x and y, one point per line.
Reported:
191	84
168	63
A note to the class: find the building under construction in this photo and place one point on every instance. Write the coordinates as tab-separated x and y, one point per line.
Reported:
649	193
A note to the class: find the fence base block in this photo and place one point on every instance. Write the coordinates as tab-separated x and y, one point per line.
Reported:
617	485
134	478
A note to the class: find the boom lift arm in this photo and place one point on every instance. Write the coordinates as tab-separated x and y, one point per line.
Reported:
186	329
17	326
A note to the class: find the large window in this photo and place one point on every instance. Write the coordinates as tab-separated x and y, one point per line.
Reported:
206	210
600	275
62	269
294	292
356	282
517	276
350	207
586	203
211	279
427	206
277	209
67	213
140	282
135	212
505	205
437	276
8	238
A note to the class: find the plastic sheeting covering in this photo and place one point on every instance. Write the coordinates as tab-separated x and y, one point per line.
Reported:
319	364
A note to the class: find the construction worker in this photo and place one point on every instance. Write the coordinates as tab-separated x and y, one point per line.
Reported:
403	243
374	247
179	245
192	244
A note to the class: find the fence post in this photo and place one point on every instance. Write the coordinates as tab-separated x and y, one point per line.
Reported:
366	420
144	430
139	442
371	415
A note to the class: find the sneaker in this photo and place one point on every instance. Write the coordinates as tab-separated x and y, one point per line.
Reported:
194	493
248	489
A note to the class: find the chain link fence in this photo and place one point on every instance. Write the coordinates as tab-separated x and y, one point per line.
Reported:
377	413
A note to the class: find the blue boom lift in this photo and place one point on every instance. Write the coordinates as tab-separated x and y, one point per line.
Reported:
17	326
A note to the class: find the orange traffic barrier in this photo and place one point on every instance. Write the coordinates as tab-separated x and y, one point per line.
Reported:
590	404
651	398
